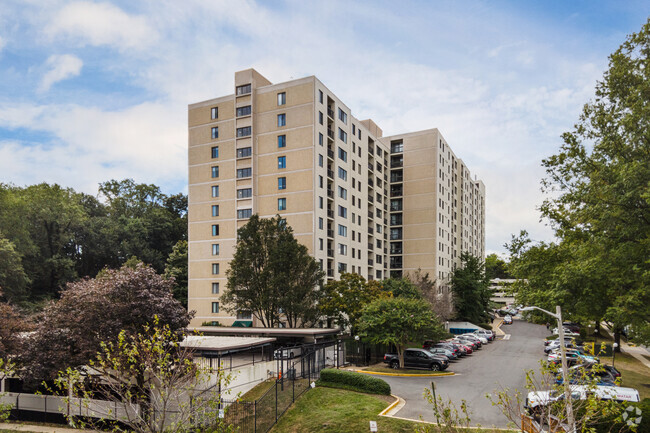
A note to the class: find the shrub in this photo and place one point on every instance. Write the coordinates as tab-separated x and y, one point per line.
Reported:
354	381
485	326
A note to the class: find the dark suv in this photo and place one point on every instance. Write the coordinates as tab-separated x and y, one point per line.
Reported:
418	358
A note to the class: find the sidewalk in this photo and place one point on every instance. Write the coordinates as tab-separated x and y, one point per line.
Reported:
639	353
40	428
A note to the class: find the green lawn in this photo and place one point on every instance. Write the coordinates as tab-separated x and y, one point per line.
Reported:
635	375
258	391
339	410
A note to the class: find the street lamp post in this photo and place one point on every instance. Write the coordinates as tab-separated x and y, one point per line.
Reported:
565	367
614	347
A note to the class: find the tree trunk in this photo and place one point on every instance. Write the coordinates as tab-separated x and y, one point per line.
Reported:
617	340
597	328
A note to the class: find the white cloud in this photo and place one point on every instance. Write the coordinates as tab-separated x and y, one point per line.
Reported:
2	43
61	67
101	24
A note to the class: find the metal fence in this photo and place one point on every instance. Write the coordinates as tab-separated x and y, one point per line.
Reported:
294	377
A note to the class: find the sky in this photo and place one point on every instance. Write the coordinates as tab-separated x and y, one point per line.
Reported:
98	90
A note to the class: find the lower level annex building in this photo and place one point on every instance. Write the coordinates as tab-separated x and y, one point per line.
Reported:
360	202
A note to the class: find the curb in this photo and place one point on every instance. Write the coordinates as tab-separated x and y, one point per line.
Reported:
376	373
391	406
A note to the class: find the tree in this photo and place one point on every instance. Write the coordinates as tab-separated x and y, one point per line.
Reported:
91	311
271	274
399	321
344	299
496	267
471	289
401	288
149	383
440	298
13	280
176	268
12	325
598	203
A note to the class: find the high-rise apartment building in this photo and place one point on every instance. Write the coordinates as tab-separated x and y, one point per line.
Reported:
361	203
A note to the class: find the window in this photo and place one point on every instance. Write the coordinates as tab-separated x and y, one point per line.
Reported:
343	193
320	223
244	315
282	119
320	96
320	181
215	249
215	171
215	210
244	132
214	112
282	183
282	204
244	192
244	111
343	212
282	98
215	152
244	213
215	132
343	117
215	229
343	155
354	130
320	202
244	152
215	269
343	230
320	160
282	140
242	90
215	190
343	267
343	174
343	249
244	172
343	136
282	162
396	146
215	307
320	138
320	117
359	131
215	288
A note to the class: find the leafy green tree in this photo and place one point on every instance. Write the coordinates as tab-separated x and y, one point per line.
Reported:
496	267
177	268
13	324
344	299
92	311
272	275
13	280
150	384
399	321
471	290
401	288
599	204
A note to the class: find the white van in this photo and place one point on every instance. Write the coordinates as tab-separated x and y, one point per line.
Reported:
538	399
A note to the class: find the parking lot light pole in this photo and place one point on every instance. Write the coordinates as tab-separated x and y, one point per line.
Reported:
565	367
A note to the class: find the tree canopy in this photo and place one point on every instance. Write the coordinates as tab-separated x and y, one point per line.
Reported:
496	267
272	275
470	287
598	203
399	321
91	311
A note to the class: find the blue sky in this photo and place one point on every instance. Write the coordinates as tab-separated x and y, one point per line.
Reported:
95	90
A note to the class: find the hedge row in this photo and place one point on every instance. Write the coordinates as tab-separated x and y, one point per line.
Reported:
355	381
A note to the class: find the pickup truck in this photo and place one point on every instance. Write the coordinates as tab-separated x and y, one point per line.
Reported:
417	358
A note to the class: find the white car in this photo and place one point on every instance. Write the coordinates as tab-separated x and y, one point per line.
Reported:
507	320
480	338
567	333
489	335
536	400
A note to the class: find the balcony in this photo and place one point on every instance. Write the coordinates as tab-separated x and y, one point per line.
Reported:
396	190
370	262
330	253
330	154
396	177
330	233
370	214
371	200
371	167
330	193
394	251
370	247
330	174
330	273
371	183
330	113
330	213
371	231
396	162
330	134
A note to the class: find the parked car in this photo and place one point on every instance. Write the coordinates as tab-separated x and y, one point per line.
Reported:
443	352
475	344
537	400
507	320
554	340
586	373
465	349
573	357
428	344
473	337
503	313
417	358
567	332
571	326
556	346
485	333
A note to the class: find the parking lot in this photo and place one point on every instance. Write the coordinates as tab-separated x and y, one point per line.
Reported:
500	364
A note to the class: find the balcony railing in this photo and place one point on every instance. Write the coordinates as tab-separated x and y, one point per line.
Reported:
330	233
371	231
330	253
330	113
330	214
370	262
330	174
330	154
330	193
370	247
330	273
330	134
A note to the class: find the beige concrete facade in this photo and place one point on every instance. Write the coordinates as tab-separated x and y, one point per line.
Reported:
296	150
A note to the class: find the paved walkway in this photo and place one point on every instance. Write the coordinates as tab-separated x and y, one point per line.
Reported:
40	428
640	353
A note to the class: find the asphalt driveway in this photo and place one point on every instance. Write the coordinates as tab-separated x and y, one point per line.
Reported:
500	364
